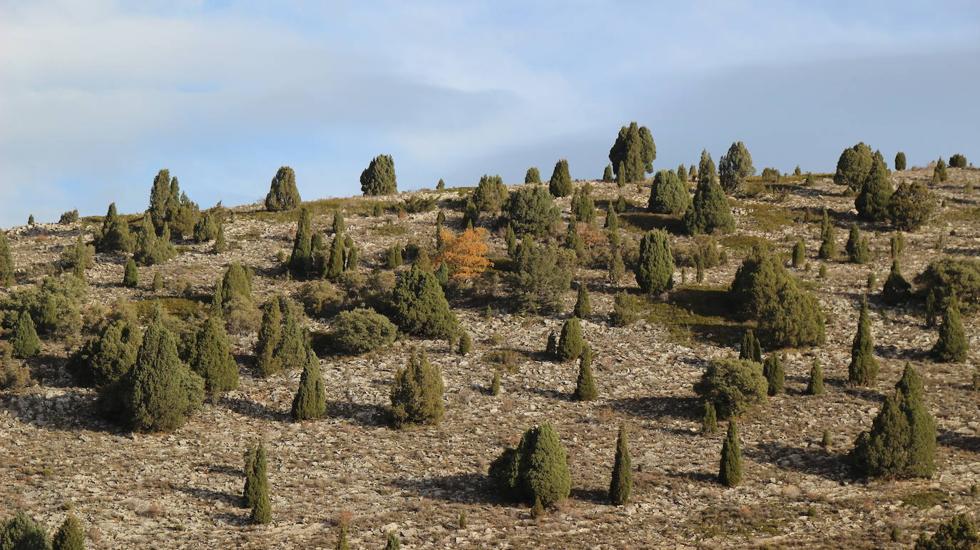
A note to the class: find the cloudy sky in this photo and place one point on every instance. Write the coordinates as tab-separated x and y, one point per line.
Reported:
97	95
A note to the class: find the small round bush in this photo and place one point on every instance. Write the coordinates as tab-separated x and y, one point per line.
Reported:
360	331
733	386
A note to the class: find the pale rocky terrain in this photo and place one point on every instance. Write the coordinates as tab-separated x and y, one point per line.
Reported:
181	490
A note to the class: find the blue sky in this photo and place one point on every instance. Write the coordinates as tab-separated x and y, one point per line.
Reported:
97	95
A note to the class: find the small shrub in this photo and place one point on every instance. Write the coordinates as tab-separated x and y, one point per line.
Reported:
416	394
621	484
465	343
211	358
585	389
952	345
25	342
361	330
6	262
828	239
570	344
911	206
896	289
536	471
583	306
959	533
857	247
114	235
256	493
799	254
939	174
732	386
533	175
130	274
814	385
625	310
900	163
69	217
490	194
21	532
751	348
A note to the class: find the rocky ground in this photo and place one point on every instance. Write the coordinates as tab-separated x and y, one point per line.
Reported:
181	490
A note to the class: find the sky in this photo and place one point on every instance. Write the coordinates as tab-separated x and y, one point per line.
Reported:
97	95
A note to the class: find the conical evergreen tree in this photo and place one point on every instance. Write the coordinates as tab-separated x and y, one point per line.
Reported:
775	374
872	202
585	389
863	369
270	337
115	235
292	348
69	536
543	466
551	348
151	249
815	385
511	239
730	471
583	306
211	358
220	245
828	239
310	402
259	488
21	532
750	349
25	342
709	419
709	212
655	266
952	345
419	306
334	267
621	484
857	246
283	194
799	254
533	175
607	174
896	289
6	262
560	184
301	259
570	343
416	394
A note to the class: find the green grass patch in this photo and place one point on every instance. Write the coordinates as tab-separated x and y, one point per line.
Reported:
742	242
767	216
389	229
645	221
696	312
925	499
182	308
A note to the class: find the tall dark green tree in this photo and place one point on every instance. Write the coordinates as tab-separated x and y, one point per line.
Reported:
876	192
709	211
25	342
896	289
655	265
857	246
159	197
532	209
900	161
270	339
583	306
607	174
952	345
621	484
730	470
750	349
69	535
633	152
734	167
211	358
301	260
490	194
379	177
283	194
257	485
853	166
863	369
570	343
114	235
775	374
536	471
939	171
585	389
533	175
668	195
828	238
416	394
310	401
418	305
560	184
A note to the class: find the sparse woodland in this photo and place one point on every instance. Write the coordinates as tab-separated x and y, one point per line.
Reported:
700	357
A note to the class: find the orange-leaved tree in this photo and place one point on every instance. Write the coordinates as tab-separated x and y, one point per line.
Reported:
465	254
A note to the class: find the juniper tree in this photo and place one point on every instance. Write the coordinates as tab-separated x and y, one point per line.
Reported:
270	338
621	484
732	386
570	343
957	161
532	209
617	268
612	220
560	184
6	262
775	374
668	195
551	347
709	211
939	172
896	289
607	174
857	246
440	185
799	254
828	238
959	533
151	249
750	349
490	194
69	535
21	532
30	220
541	275
709	418
655	265
730	470
625	310
283	194
257	486
465	343
583	207
902	440
310	401
853	166
536	471
533	175
159	197
585	389
682	173
392	542
734	167
301	259
211	358
575	243
863	369
160	392
911	206
876	190
114	235
633	153
361	330
952	345
419	306
814	385
379	177
334	267
106	358
900	161
77	257
583	306
220	245
621	204
416	394
692	173
25	342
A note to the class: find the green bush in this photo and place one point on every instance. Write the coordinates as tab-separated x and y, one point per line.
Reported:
416	394
583	306
775	374
939	174
957	161
69	535
952	345
361	330
114	235
207	227
542	274
560	184
668	195
14	375
900	161
863	369
896	289
585	389
108	357
256	493
709	419
814	385
947	276
709	211
655	266
418	305
853	166
799	254
607	174
570	343
151	249
69	217
130	274
321	298
625	310
233	296
583	207
857	246
283	194
301	260
536	471
310	401
732	386
876	191
621	484
734	167
730	469
902	440
959	533
532	210
25	342
911	206
21	532
490	194
751	348
282	339
6	262
633	153
379	177
828	238
211	358
533	175
54	305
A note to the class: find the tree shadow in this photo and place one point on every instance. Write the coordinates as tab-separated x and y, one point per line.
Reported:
205	494
594	496
808	461
867	394
553	394
696	477
253	409
685	408
949	438
70	411
364	414
647	221
50	370
891	351
468	488
222	469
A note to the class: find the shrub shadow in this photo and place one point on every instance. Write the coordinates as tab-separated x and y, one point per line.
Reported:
66	412
204	494
365	414
808	461
949	438
253	409
685	408
646	221
468	488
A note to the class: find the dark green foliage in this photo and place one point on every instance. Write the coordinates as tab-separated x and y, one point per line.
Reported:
612	220
361	330
668	195
814	385
416	394
301	259
270	338
536	471
655	265
6	262
533	175
947	276
393	256
863	369
160	392
750	349
532	210
21	532
220	245
709	419
633	153
952	345
911	206
900	163
78	257
151	249
169	208
709	211
896	289
107	357
283	194
551	348
334	264
256	493
876	192
902	439
440	185
583	306
30	220
621	205
770	175
957	161
682	173
857	246
233	298
465	343
393	542
692	173
939	172
730	469
115	235
542	273
959	533
54	304
775	374
734	167
607	174
490	194
853	166
211	358
379	177
799	254
25	342
511	239
828	238
583	207
570	343
732	386
621	484
310	401
560	184
574	242
419	307
69	535
625	310
68	218
585	389
207	227
787	314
